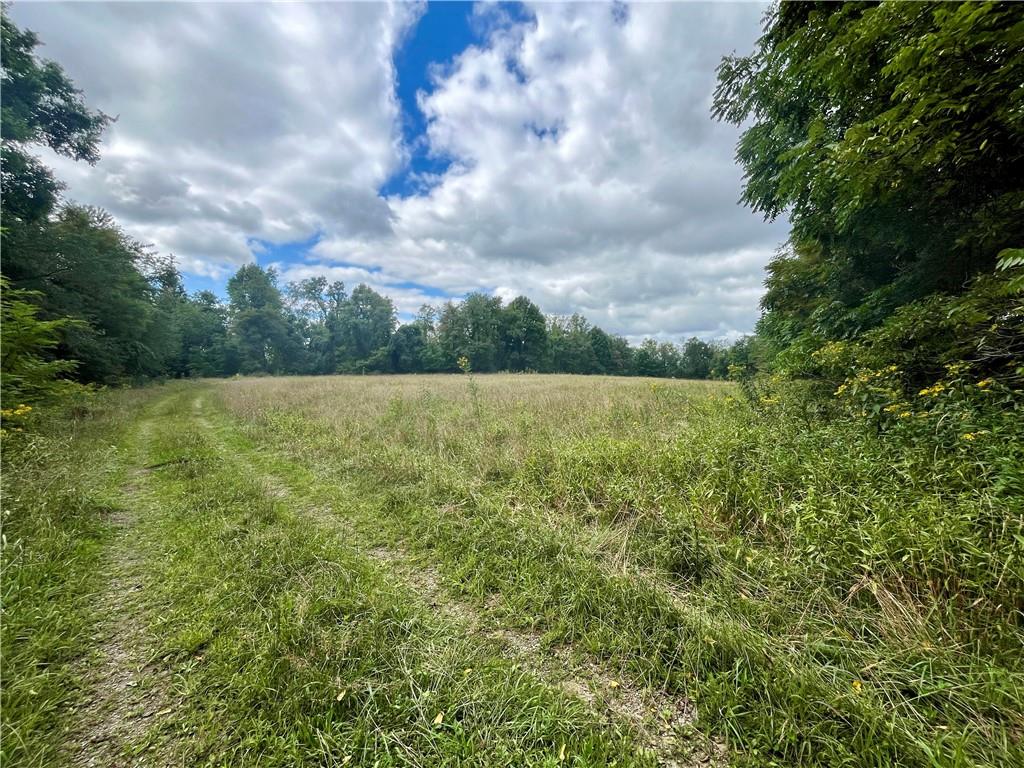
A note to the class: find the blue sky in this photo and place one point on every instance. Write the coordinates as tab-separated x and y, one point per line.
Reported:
443	32
561	151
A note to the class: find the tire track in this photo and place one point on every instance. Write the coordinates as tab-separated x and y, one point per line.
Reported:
126	694
663	722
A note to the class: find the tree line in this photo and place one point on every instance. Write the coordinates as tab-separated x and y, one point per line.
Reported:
892	137
316	327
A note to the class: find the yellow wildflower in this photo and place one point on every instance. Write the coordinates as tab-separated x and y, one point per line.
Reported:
985	383
968	436
932	390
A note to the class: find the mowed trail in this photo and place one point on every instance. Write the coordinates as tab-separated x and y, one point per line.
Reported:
132	715
126	688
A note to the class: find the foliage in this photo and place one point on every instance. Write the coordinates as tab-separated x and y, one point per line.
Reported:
40	106
28	377
890	134
55	523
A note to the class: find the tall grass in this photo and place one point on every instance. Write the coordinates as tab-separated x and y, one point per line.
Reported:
826	595
59	494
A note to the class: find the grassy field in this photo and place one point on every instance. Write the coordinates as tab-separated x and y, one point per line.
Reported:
500	570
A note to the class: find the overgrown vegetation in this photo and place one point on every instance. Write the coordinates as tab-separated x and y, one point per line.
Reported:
822	594
57	502
820	565
826	595
890	135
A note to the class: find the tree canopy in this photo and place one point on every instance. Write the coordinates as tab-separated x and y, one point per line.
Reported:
891	136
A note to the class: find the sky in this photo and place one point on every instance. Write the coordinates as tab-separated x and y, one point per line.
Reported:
561	151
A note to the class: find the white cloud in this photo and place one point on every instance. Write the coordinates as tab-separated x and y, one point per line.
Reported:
587	171
589	175
235	121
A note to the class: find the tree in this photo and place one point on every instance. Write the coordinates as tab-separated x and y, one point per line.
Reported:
81	265
695	361
316	309
365	322
891	135
266	343
524	336
671	362
737	360
206	348
407	349
42	107
74	262
472	329
569	345
601	346
647	361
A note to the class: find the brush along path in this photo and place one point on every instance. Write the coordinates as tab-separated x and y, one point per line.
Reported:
661	722
289	643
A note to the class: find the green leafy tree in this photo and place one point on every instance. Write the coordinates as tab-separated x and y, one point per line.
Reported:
73	261
363	328
647	361
569	345
891	136
670	359
206	347
407	349
81	265
316	308
266	342
695	360
739	359
472	329
524	336
40	107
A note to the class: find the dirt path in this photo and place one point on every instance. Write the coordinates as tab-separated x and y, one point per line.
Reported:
127	695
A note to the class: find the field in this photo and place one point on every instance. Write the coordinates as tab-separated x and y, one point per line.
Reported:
499	570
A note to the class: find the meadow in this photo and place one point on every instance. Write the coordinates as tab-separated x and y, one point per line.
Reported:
500	570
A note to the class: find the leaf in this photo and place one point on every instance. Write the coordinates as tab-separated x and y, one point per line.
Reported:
439	719
1010	257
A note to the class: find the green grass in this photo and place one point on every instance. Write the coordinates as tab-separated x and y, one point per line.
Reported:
59	492
821	595
274	618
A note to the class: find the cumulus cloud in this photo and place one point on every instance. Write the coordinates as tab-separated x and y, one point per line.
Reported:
235	121
589	174
585	170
